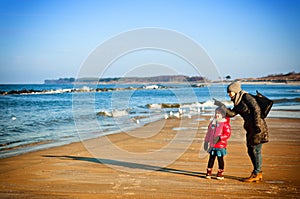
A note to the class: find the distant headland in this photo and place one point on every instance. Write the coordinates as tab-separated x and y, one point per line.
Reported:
158	82
127	80
291	77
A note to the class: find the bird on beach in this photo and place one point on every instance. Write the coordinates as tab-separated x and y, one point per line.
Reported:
177	115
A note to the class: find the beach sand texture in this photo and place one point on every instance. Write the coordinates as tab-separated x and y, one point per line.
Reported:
72	172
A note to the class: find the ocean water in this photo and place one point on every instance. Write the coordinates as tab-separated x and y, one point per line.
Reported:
31	122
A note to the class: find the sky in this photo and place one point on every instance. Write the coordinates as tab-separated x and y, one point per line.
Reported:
50	39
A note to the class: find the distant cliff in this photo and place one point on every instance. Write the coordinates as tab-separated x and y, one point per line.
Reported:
60	81
276	78
284	78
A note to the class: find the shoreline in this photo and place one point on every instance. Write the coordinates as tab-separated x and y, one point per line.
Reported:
180	83
72	171
141	86
48	144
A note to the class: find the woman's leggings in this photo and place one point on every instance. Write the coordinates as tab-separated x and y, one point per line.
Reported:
211	162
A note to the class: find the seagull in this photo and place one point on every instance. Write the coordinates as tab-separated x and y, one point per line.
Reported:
177	115
180	110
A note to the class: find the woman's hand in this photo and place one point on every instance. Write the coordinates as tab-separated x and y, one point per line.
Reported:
218	103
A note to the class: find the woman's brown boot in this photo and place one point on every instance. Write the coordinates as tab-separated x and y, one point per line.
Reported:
254	177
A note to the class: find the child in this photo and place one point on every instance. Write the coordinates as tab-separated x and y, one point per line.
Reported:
216	141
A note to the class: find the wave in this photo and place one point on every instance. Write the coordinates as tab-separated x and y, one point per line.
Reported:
276	101
191	106
209	104
286	100
114	113
165	105
295	91
195	107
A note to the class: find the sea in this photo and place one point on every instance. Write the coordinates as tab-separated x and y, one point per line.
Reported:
70	113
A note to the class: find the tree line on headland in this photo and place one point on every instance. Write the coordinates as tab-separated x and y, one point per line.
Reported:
155	79
276	78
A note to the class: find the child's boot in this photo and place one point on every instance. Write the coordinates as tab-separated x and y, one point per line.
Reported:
208	173
220	174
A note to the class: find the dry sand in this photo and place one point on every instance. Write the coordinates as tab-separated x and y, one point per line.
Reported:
71	171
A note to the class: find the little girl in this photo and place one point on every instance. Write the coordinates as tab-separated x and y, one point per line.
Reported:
216	141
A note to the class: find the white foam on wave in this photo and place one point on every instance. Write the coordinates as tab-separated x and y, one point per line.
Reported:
285	111
119	113
208	103
296	91
286	107
114	113
154	106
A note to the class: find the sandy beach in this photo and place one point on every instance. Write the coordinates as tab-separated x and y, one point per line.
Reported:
78	171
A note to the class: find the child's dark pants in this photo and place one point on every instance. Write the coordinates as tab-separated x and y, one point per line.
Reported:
211	161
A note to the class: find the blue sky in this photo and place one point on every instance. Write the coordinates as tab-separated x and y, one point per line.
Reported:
48	39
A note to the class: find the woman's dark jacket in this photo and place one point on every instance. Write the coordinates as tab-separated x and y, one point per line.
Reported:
255	126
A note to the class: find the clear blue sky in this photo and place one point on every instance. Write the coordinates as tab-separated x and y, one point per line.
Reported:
48	39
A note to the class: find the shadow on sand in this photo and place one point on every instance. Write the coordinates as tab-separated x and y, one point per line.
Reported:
138	166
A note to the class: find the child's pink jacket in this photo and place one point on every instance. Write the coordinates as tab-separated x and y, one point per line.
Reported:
221	129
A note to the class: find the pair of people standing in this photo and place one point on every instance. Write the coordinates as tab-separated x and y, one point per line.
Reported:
256	131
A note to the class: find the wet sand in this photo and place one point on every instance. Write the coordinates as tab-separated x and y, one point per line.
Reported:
94	169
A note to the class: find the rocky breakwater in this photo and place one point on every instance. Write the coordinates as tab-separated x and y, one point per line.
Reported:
73	90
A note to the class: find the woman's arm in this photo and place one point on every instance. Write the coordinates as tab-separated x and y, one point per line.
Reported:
229	112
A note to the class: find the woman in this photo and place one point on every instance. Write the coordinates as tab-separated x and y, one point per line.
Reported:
256	127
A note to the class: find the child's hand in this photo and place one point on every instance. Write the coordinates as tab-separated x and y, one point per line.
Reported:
217	139
205	146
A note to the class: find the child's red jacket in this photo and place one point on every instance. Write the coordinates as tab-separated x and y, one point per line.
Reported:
222	129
